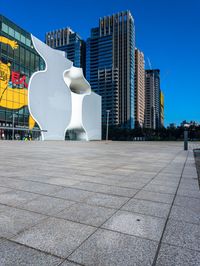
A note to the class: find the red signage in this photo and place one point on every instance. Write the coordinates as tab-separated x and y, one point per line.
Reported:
16	79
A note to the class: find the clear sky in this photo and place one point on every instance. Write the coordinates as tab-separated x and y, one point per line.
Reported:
167	31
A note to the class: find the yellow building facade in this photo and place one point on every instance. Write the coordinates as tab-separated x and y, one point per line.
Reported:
18	61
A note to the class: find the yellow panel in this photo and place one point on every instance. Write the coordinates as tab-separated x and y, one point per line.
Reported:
12	98
31	122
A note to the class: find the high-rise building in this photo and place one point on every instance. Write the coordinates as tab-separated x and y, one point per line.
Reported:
70	42
139	88
152	99
110	53
161	108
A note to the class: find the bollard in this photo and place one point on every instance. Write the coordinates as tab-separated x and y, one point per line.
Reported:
185	140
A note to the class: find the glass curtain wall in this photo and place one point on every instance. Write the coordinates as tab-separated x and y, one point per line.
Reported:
18	61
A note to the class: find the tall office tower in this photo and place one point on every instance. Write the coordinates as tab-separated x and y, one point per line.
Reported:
139	88
110	53
70	42
161	108
152	98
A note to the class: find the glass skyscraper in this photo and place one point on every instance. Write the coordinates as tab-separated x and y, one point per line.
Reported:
110	53
70	42
152	99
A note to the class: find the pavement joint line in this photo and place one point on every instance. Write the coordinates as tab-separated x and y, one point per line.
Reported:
100	227
152	178
73	186
185	222
18	206
188	197
159	192
29	227
62	218
178	246
51	195
67	260
185	197
24	245
160	242
122	233
71	220
144	214
154	201
96	192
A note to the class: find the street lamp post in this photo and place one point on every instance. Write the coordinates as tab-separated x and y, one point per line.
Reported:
13	126
186	137
107	111
185	140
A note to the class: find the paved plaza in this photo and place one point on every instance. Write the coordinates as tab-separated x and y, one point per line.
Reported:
98	203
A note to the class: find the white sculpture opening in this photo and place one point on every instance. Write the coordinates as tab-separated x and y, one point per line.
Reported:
60	98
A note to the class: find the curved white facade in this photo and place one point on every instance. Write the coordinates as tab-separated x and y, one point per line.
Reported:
60	98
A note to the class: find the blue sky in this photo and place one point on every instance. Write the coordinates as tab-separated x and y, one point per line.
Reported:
167	31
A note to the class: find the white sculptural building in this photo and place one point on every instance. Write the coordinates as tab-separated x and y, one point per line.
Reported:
60	98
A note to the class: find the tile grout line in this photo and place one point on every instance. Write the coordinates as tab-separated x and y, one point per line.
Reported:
33	248
102	193
160	242
100	227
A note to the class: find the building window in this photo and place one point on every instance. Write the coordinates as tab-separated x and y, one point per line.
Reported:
4	28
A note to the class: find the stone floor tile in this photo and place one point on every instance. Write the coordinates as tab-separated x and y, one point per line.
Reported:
105	248
83	213
147	207
134	185
15	220
47	205
167	183
112	190
106	200
161	189
190	186
186	214
136	224
65	182
177	256
56	236
16	197
189	193
13	254
73	194
182	234
154	196
4	189
4	208
191	203
108	175
68	263
189	182
41	188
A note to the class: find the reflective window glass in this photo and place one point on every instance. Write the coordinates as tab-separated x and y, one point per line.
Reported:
11	32
23	39
17	35
28	42
4	28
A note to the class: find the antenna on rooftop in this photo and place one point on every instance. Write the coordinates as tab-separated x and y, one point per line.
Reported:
149	63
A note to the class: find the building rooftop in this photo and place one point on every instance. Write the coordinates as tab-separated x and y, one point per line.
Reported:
97	203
